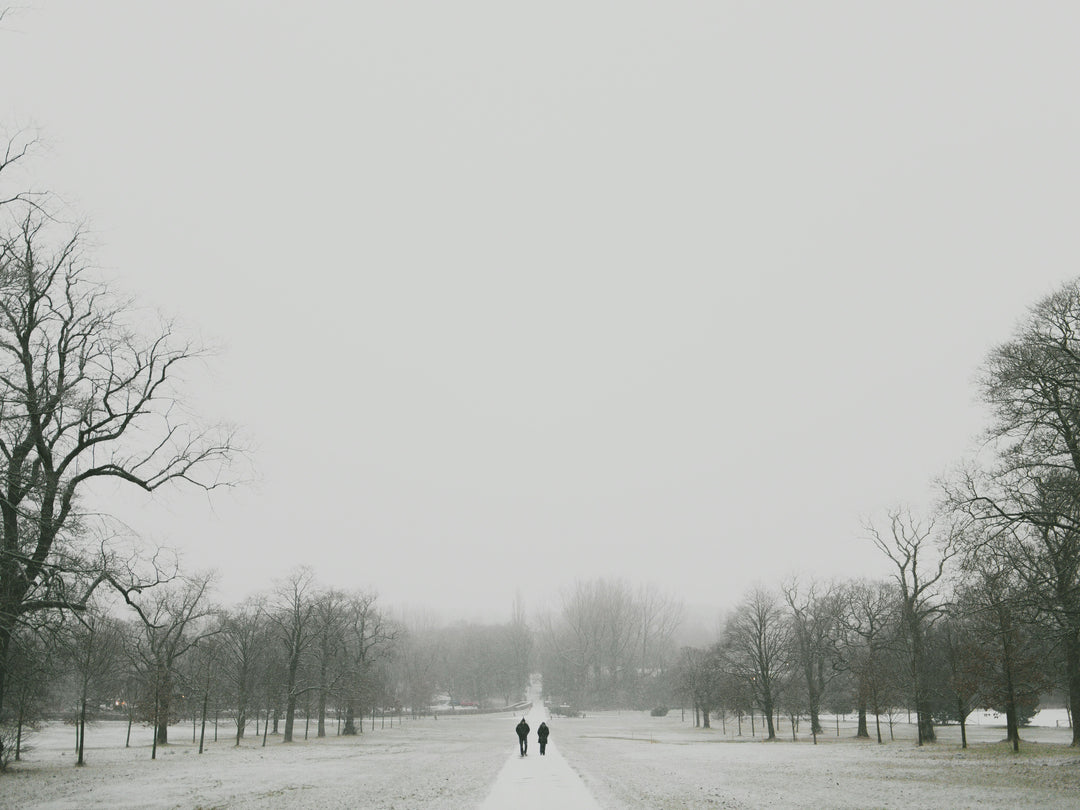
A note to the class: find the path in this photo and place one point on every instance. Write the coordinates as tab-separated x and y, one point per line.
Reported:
534	782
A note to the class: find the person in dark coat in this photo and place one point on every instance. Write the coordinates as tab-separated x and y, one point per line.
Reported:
541	736
523	736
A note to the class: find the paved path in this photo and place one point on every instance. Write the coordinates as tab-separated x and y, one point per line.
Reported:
534	781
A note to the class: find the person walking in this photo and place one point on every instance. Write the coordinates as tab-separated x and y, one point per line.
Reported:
542	735
522	730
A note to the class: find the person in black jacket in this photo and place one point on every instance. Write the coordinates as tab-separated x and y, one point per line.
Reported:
542	735
522	730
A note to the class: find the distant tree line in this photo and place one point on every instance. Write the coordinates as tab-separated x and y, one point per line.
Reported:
983	606
297	661
862	648
609	645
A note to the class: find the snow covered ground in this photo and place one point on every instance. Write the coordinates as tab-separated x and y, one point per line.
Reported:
633	760
610	760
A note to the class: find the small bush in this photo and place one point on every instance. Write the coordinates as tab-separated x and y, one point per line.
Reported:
659	711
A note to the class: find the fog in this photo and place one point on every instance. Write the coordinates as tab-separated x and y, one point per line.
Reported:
509	297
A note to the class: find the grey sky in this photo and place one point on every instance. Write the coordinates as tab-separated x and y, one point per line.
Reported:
511	294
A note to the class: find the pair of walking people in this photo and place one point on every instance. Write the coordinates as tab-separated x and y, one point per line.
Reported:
522	730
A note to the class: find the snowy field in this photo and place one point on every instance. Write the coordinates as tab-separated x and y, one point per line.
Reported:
633	760
624	759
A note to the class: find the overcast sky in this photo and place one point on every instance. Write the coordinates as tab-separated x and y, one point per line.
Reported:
513	294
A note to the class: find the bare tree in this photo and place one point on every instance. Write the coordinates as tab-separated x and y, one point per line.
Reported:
331	666
368	632
1032	528
244	646
292	616
417	663
699	676
94	650
35	668
1009	657
174	618
757	641
661	616
87	391
206	681
592	645
964	661
920	565
869	626
1032	385
813	622
16	151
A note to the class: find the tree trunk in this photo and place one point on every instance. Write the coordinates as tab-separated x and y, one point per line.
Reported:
5	646
961	712
321	731
162	706
290	717
266	723
157	709
767	710
1072	675
350	718
1012	728
320	703
205	704
862	730
241	723
813	696
290	692
1012	720
82	729
923	715
926	723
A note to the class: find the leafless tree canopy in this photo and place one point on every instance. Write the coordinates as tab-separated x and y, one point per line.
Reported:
89	389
